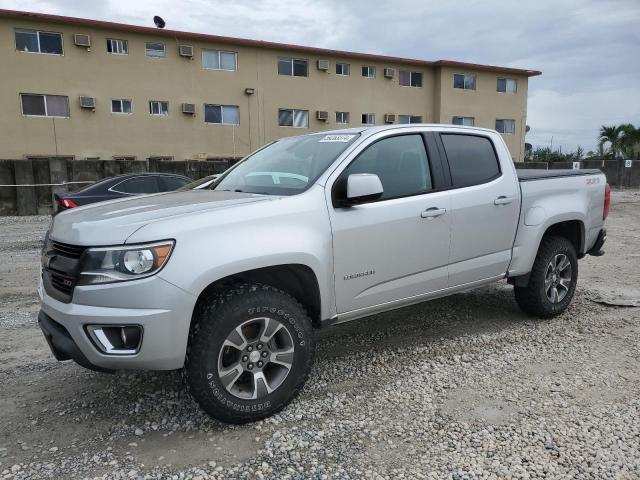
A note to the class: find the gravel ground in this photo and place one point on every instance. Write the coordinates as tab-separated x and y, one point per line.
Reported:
462	387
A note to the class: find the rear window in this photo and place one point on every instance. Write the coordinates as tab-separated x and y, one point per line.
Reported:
472	159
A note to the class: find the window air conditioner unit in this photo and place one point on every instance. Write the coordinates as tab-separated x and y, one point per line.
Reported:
189	108
389	72
87	102
323	65
389	118
81	40
322	115
185	51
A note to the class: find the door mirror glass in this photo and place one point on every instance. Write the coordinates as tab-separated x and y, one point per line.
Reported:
363	187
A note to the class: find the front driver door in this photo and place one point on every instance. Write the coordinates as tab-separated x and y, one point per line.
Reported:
396	247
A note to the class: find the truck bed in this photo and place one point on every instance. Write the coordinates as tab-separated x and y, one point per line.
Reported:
528	175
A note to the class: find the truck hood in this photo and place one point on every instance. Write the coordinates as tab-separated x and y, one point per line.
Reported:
112	222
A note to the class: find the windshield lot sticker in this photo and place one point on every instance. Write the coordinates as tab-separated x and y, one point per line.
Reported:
336	138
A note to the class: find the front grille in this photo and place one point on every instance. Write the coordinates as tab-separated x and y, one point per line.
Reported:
61	274
69	250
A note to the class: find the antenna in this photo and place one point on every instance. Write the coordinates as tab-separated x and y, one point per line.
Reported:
160	23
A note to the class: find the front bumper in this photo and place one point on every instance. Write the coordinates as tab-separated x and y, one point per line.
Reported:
159	307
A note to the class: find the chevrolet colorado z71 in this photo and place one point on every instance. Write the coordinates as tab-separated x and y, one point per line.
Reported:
230	282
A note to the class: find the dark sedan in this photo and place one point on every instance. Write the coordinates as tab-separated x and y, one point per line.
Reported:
119	187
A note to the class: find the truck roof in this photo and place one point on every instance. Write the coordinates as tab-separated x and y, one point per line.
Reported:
382	128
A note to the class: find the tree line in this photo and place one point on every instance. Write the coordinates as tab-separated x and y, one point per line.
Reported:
614	142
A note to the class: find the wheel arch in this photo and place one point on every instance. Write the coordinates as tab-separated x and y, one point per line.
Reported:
298	280
572	229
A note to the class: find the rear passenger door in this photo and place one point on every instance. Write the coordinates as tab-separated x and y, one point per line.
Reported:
485	205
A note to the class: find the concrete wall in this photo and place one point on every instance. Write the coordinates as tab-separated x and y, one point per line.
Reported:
95	72
25	199
618	175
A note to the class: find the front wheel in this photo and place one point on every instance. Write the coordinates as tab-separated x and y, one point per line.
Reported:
250	352
552	281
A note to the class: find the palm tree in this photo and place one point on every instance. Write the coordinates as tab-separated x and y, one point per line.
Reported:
630	144
612	135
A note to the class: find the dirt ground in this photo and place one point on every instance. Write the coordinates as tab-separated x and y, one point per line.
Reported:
462	387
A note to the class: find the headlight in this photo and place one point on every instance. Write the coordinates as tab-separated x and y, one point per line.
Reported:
128	262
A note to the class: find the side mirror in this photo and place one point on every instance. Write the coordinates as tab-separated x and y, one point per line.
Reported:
363	187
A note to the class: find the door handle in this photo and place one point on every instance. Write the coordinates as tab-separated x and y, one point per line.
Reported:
502	200
433	212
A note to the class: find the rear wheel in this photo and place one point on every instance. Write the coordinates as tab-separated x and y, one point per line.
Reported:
552	281
250	352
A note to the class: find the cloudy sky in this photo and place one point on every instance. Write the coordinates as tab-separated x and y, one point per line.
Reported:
588	50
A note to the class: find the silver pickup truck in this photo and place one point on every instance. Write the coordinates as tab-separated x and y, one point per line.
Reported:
230	282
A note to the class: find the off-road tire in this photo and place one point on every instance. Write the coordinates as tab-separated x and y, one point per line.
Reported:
214	320
533	299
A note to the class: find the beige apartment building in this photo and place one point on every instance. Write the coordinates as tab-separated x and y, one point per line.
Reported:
91	89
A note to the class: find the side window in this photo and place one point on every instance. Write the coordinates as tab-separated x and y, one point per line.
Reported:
400	162
138	185
172	183
472	159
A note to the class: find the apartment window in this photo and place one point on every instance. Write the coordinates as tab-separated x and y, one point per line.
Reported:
117	47
343	69
368	119
289	117
121	106
465	82
39	42
409	119
157	107
506	126
342	117
410	79
464	121
507	85
293	67
154	50
219	60
222	114
369	72
44	105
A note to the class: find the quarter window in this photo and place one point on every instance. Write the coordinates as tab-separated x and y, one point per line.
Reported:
121	106
39	42
507	85
400	163
472	159
506	126
368	118
464	121
293	67
410	79
219	60
157	107
137	186
343	69
409	119
154	50
369	72
117	47
464	82
45	105
222	114
289	117
342	117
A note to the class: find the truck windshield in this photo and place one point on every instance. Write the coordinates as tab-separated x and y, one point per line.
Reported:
286	167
